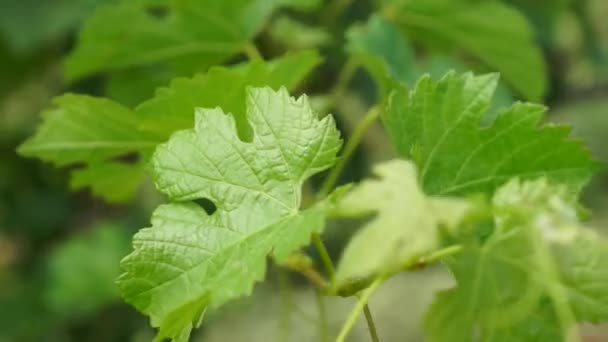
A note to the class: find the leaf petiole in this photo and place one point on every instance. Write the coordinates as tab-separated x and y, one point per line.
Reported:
351	145
356	311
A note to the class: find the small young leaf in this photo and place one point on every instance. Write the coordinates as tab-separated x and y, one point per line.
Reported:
405	228
439	125
190	260
532	265
495	33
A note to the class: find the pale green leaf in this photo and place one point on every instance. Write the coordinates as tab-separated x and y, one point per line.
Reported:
113	181
82	128
538	266
190	260
172	108
405	227
441	125
490	30
189	35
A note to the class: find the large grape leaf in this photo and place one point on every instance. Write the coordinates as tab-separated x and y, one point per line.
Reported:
439	126
537	265
190	260
490	30
95	131
171	108
189	35
405	228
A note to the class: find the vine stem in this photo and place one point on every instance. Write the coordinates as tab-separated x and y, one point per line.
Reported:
324	255
322	316
356	311
252	52
346	75
351	145
370	323
284	325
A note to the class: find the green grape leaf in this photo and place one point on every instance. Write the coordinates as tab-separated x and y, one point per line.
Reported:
405	228
190	260
530	269
490	30
188	35
81	271
172	108
441	125
383	51
114	181
82	128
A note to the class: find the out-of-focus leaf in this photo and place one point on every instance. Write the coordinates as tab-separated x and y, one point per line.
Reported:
82	128
406	225
116	182
82	271
490	30
537	262
188	35
384	52
172	108
133	86
27	25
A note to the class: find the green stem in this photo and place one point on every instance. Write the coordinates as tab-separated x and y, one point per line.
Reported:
371	326
440	254
284	326
344	78
349	149
324	255
252	52
354	314
323	336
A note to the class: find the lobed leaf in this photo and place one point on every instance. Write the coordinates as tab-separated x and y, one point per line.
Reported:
190	260
440	125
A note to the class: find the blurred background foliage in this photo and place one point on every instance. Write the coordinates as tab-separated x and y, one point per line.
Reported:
59	250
